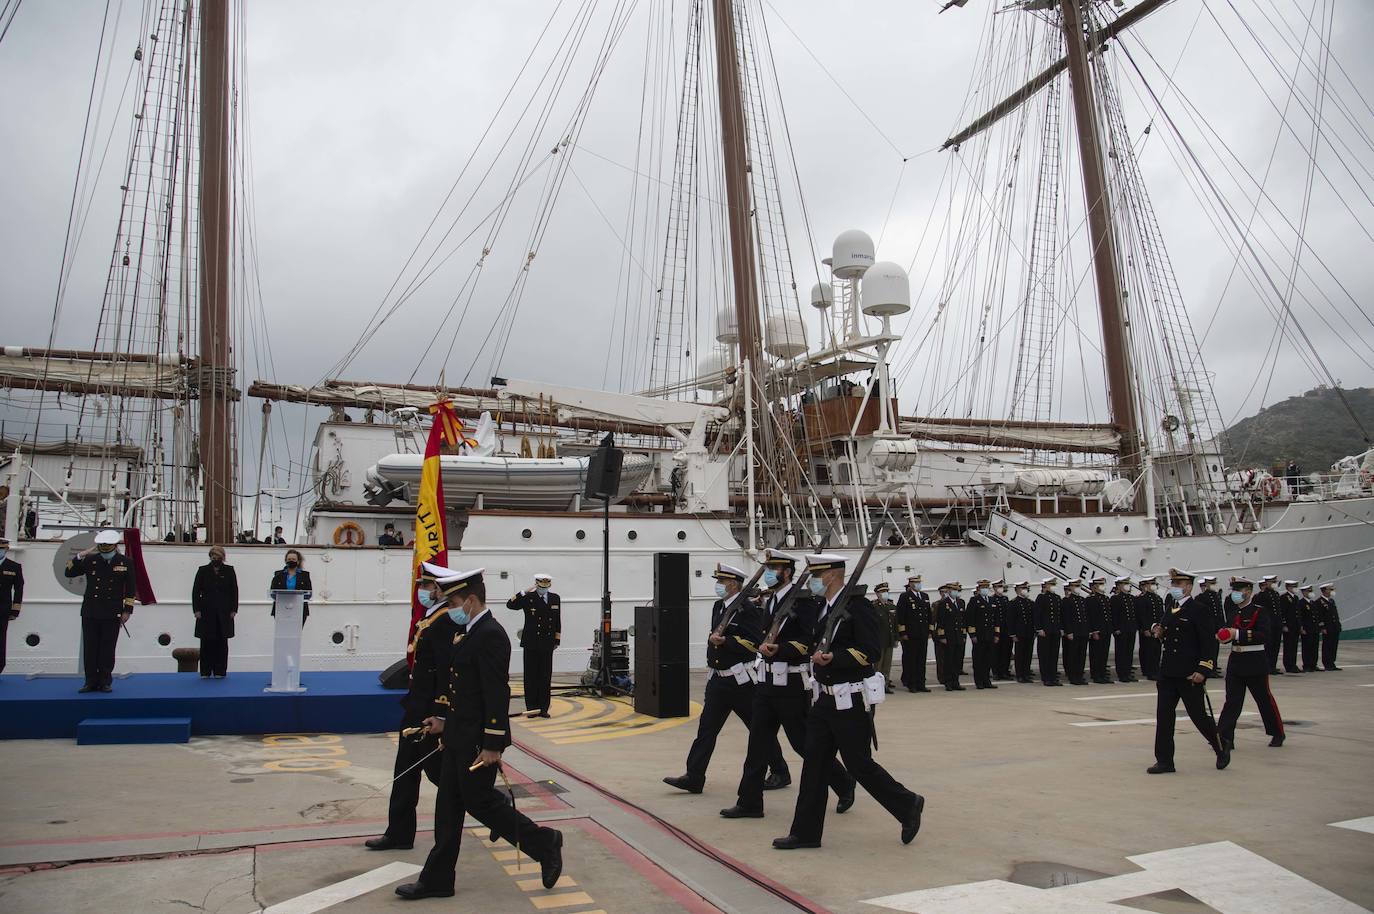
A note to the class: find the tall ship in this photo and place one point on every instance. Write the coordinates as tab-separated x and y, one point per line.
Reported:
762	399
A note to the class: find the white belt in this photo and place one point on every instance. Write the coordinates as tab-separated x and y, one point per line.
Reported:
873	689
1247	647
741	672
778	671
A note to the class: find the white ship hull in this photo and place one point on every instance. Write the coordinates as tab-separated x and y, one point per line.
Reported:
361	595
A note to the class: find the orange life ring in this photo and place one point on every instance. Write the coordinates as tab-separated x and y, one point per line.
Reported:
349	534
1271	487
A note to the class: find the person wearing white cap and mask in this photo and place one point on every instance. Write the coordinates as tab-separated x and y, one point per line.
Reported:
1048	621
1075	610
913	633
1290	606
1188	643
1309	627
1122	606
539	637
1268	597
11	594
1211	598
1247	631
1149	610
106	605
1330	618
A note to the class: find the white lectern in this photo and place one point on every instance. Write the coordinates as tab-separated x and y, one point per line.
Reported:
286	643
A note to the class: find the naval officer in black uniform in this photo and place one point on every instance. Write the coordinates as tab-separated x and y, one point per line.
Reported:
106	605
980	621
1099	641
1268	597
476	730
1290	605
1048	625
1122	606
913	633
1211	597
1248	631
950	632
1309	625
1149	610
846	685
1330	618
1001	664
431	653
11	594
1188	641
540	636
1075	614
1021	622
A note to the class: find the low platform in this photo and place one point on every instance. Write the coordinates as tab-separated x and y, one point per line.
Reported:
133	731
334	702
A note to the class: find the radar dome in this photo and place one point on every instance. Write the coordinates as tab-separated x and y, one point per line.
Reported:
727	328
784	335
886	290
822	296
853	253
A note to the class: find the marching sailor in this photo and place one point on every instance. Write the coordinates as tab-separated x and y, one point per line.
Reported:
1330	618
1290	605
1149	610
1001	659
1099	641
1188	644
783	695
11	594
1047	630
1248	632
1123	628
1022	623
913	632
984	632
1309	624
539	638
1075	611
105	607
844	688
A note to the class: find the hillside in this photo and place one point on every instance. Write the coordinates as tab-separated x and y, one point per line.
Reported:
1314	429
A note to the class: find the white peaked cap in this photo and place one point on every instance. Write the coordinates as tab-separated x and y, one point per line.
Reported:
1326	585
728	571
777	555
108	538
452	578
543	576
825	560
435	570
1050	581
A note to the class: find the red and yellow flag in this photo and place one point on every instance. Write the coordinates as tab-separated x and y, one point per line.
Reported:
431	532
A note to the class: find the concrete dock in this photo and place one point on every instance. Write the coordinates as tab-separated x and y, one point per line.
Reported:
1037	800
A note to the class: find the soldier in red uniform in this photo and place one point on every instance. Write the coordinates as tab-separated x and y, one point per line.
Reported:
1248	631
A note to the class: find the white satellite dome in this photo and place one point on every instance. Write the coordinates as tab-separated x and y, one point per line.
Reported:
822	296
853	253
886	290
727	328
784	335
711	372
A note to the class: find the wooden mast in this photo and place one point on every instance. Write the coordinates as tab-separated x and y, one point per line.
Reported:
215	378
1115	344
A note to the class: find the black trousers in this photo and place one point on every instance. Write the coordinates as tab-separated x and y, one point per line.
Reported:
1258	685
538	677
1048	649
914	661
848	732
98	637
4	640
1291	639
1097	656
1273	644
1001	657
954	659
1125	654
405	789
1172	690
1330	641
1023	651
983	651
1075	657
724	697
214	656
941	653
1149	657
462	791
773	711
1310	647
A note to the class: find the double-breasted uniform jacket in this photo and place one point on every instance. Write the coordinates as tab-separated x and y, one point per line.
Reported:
543	627
980	620
1075	615
1123	609
1329	615
436	635
1099	614
796	638
913	614
742	634
215	595
1021	617
1309	616
1189	639
110	585
887	621
1253	627
1290	607
1048	615
1269	599
11	588
1215	604
1149	609
479	685
948	617
854	644
1001	608
302	583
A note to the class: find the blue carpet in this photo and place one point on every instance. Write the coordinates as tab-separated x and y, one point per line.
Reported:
336	702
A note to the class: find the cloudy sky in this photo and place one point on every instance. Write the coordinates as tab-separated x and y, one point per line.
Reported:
361	116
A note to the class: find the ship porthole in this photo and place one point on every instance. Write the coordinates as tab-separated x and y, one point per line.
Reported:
632	535
1328	518
337	637
682	534
526	533
32	639
164	639
1099	529
582	534
1125	528
1142	563
1068	531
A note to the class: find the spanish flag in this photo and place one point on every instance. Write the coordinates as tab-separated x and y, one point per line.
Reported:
431	537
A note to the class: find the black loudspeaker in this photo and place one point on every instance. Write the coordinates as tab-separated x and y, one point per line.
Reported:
661	689
396	676
603	471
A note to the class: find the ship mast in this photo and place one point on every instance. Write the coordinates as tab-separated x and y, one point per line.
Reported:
1101	231
215	378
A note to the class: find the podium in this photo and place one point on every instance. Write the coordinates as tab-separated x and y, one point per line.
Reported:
286	640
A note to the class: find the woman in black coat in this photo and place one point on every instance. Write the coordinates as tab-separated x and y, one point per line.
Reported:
292	577
215	601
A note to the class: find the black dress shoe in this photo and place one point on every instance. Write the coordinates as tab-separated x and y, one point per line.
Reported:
954	688
1157	768
106	688
792	842
551	867
741	812
846	800
1054	683
682	782
86	688
1276	672
912	823
920	689
1333	668
1224	756
543	713
414	891
777	781
989	686
387	843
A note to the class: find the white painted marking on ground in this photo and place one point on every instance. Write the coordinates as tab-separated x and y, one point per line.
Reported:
340	892
1367	685
1134	720
1225	876
1365	825
1213	693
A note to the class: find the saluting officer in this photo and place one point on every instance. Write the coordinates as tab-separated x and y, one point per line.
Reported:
431	651
1290	604
1001	657
1309	625
476	730
1123	628
845	687
1330	626
11	594
1188	643
1211	598
1048	626
1099	641
1075	612
887	627
1248	632
736	630
783	694
913	632
984	632
1149	610
1022	623
106	605
539	638
1268	597
949	633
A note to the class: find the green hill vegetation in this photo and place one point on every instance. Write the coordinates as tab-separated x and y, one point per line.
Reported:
1314	429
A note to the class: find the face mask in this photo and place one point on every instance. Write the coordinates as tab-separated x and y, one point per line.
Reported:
292	563
3	553
1020	591
984	592
817	586
425	597
720	590
770	578
1237	597
543	591
107	554
216	559
458	615
1176	593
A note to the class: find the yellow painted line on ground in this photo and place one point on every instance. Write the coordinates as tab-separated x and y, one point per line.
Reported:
567	710
599	719
521	869
542	899
554	728
537	885
565	900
